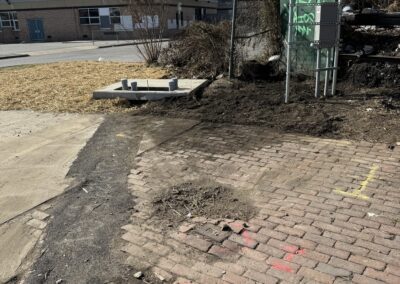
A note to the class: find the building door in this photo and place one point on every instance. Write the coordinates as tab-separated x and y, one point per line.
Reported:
36	30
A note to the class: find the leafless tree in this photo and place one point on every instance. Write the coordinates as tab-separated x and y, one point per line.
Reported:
149	24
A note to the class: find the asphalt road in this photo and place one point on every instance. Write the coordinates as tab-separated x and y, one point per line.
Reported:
122	53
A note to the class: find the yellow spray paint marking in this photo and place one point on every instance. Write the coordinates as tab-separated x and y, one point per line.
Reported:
357	193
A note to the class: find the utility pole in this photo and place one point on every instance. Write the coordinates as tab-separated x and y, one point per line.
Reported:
233	32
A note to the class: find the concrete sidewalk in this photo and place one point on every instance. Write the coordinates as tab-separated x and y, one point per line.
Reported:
327	210
36	151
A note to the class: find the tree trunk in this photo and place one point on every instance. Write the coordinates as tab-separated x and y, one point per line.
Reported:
272	21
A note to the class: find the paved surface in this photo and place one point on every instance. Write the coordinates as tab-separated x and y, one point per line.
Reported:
122	54
83	237
36	151
69	51
328	210
53	47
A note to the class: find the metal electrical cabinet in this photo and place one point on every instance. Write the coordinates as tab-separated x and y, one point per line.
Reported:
325	31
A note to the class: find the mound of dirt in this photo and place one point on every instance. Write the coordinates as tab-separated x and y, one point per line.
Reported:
201	200
356	113
374	75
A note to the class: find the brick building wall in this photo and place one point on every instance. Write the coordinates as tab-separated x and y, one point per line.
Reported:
9	35
63	23
58	24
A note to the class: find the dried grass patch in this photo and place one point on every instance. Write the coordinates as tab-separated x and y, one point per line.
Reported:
67	86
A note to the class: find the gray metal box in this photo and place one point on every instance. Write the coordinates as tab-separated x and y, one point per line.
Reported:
325	32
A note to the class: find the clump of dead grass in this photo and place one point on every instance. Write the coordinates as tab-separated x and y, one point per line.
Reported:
68	86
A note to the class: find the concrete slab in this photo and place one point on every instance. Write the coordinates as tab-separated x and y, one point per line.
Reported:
16	241
150	89
36	151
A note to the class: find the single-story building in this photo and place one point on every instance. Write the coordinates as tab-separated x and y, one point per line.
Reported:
67	20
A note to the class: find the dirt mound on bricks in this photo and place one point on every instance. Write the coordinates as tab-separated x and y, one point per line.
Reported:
195	199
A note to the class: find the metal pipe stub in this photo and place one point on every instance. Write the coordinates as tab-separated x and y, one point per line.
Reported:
173	84
134	86
124	83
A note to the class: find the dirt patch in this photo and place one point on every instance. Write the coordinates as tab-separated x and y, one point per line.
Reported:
80	241
201	199
356	113
373	75
68	86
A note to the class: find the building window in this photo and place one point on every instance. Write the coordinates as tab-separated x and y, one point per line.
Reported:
9	20
115	16
89	16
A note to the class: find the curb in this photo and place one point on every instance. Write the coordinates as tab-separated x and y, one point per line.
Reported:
13	56
125	44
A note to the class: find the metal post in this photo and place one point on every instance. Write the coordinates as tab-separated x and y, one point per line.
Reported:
327	72
337	46
233	32
317	72
288	47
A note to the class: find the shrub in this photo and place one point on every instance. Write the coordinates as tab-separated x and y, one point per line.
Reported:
202	50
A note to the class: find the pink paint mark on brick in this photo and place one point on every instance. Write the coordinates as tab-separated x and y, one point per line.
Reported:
291	249
289	257
246	238
301	251
282	267
236	226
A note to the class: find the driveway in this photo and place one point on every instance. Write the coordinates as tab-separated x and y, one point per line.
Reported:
36	152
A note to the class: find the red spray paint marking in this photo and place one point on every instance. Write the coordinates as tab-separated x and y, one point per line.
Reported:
291	249
290	256
301	251
246	238
282	267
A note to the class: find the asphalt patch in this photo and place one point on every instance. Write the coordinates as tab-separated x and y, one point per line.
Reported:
79	242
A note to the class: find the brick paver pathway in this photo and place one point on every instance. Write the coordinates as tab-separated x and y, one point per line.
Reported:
328	210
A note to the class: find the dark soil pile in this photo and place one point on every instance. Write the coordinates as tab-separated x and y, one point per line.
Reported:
373	75
356	113
201	200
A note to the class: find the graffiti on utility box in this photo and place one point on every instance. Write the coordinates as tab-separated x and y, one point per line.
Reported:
304	15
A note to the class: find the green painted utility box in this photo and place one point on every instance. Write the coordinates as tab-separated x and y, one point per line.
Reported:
303	55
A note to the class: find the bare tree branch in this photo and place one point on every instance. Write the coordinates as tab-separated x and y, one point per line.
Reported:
149	22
